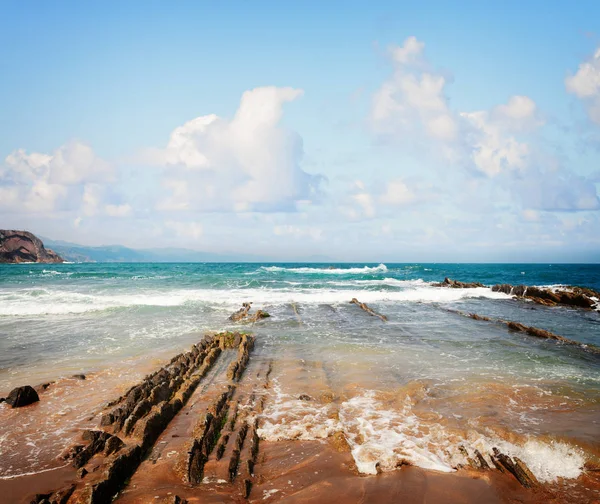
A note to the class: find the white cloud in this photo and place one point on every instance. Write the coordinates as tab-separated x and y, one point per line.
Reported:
493	148
298	232
397	193
413	98
118	210
43	196
91	198
185	229
411	106
45	182
248	163
585	84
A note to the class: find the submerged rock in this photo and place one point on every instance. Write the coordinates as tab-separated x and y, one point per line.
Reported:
22	396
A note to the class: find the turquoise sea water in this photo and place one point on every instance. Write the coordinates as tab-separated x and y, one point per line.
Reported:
56	320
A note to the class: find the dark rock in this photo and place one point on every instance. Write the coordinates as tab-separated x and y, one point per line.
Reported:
113	445
22	396
121	469
304	397
97	442
578	297
82	472
2	399
22	246
41	498
247	488
455	284
78	376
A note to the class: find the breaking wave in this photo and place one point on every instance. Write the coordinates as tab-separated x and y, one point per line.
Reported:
31	302
382	268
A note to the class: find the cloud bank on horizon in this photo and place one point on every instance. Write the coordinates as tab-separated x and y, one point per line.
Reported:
396	170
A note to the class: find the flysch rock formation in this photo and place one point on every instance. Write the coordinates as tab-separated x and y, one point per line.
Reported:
22	246
578	297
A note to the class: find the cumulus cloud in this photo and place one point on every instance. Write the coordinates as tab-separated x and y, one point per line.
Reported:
247	163
585	84
41	182
411	108
413	97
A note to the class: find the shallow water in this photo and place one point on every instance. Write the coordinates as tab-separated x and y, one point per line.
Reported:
413	389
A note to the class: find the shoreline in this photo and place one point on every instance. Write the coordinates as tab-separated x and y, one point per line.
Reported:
336	467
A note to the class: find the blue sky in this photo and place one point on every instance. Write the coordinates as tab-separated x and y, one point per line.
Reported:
443	131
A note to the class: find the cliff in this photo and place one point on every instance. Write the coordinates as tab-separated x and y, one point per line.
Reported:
22	246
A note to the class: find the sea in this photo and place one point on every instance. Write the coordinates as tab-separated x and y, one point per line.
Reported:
413	389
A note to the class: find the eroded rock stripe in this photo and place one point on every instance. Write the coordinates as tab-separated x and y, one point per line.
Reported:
142	414
365	307
529	330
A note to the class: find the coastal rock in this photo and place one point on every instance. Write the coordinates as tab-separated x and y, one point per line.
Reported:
243	314
455	284
22	246
365	307
22	396
579	297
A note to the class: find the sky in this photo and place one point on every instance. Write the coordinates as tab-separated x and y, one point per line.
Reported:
362	131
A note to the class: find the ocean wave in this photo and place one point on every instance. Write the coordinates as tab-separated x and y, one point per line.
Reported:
54	302
382	268
389	282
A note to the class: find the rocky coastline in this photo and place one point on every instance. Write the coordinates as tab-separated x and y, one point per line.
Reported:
573	296
24	247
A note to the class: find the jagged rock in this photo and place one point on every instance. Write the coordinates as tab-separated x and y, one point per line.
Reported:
241	313
113	445
97	442
260	314
22	396
121	468
579	297
366	308
455	284
22	246
59	497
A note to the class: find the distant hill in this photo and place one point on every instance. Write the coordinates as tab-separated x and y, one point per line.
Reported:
73	252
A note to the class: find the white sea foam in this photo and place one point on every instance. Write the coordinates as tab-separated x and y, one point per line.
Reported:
287	417
382	268
31	302
382	438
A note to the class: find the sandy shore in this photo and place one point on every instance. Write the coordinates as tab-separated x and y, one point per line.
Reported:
206	434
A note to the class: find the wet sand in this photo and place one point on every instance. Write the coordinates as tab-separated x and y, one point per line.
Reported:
303	455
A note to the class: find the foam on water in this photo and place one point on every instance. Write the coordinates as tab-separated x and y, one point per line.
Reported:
382	268
29	302
287	417
383	439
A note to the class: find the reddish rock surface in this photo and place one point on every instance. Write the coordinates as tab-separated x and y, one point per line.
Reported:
22	246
